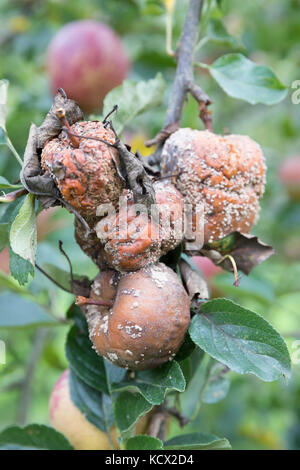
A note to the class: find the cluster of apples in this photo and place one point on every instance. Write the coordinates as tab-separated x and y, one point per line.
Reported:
138	311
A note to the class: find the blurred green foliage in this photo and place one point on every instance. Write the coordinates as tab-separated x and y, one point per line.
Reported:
254	415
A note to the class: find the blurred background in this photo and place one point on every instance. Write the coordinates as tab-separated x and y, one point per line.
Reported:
253	415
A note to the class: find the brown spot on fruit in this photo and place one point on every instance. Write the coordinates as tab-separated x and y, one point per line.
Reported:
224	174
148	321
86	176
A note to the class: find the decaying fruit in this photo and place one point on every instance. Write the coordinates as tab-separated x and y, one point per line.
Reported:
86	176
66	418
147	320
221	177
133	239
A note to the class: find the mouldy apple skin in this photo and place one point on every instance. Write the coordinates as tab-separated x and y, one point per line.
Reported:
224	177
132	241
147	322
86	176
87	59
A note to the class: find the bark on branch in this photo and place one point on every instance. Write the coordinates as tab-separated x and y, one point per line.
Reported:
184	79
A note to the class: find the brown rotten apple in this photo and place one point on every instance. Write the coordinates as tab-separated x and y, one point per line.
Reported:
87	59
143	317
84	170
133	239
222	176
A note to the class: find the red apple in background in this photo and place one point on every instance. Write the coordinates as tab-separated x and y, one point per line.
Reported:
87	59
206	266
289	174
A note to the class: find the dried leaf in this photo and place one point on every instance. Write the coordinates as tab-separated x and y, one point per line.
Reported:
32	176
247	250
51	126
195	283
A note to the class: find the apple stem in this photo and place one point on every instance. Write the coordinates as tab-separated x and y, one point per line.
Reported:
105	122
61	114
11	197
82	301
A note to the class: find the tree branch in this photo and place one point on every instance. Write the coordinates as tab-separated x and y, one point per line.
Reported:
184	79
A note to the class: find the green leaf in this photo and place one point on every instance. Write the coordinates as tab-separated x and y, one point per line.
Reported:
243	79
4	184
133	99
197	441
8	283
17	311
218	34
4	237
191	399
20	268
22	237
240	339
95	405
128	408
84	361
144	443
216	390
61	276
4	139
11	211
154	383
249	287
33	437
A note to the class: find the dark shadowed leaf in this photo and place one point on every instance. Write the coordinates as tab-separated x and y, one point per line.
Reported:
128	408
95	405
20	268
186	349
22	236
154	383
197	441
240	339
33	437
3	236
144	443
84	361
